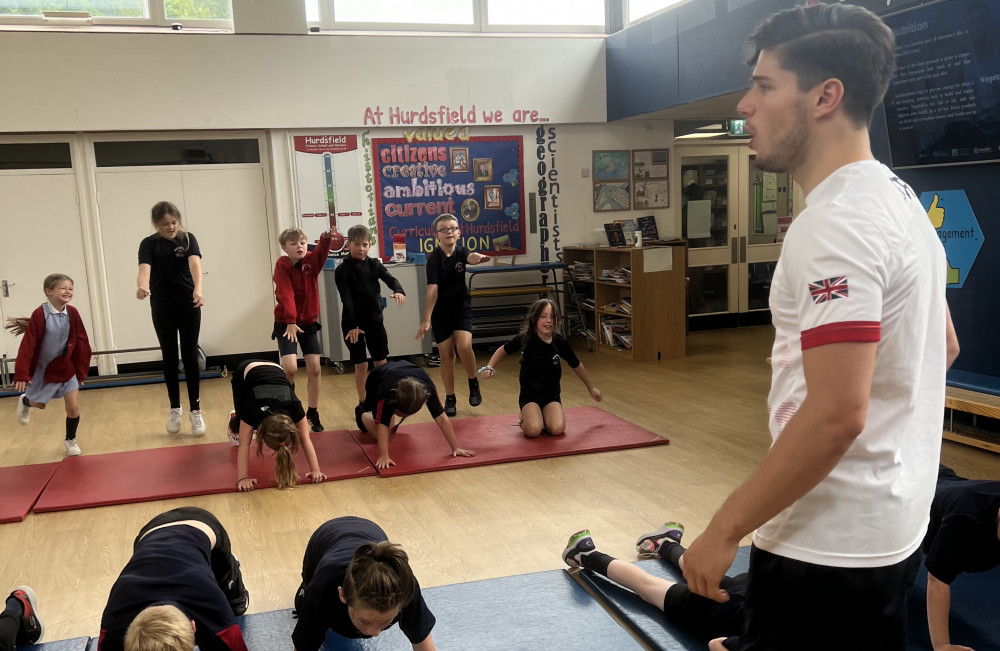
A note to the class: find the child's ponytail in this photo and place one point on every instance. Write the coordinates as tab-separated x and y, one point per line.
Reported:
379	578
17	326
279	433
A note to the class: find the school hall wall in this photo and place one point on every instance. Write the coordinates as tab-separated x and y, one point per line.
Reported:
85	86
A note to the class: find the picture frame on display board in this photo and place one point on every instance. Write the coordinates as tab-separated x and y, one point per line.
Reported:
492	197
482	169
459	159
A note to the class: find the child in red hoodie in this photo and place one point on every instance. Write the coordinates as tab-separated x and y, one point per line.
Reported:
296	290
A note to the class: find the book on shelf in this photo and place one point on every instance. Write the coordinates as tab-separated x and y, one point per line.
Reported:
615	233
616	332
581	271
647	225
628	231
623	306
621	275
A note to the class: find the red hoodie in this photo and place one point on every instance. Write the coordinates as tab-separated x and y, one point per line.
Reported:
75	361
296	289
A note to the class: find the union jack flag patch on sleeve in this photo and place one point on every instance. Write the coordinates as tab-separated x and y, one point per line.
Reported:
828	289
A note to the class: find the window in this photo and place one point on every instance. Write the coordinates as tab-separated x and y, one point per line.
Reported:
437	12
35	156
572	16
547	12
639	9
128	153
195	13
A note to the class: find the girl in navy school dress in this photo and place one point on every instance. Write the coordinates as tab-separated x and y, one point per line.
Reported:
542	349
54	357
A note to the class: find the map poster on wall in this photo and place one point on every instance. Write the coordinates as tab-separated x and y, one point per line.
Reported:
328	174
478	180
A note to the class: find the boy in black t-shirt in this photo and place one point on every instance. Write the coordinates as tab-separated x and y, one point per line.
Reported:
448	313
361	316
182	586
357	584
963	536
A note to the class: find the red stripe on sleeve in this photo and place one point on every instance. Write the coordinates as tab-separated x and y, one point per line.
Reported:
232	637
378	411
844	331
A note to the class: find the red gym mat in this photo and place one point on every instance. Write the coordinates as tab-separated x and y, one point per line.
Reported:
183	471
20	486
499	439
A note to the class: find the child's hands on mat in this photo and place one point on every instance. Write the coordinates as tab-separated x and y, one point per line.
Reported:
463	453
316	476
384	462
595	393
246	484
352	335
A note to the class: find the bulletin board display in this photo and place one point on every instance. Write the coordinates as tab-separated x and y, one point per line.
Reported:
328	175
478	180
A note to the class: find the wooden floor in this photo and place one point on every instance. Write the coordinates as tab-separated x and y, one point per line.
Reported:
458	525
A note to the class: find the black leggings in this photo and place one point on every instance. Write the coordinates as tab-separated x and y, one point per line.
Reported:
169	321
9	627
225	566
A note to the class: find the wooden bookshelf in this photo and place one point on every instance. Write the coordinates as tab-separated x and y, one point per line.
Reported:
658	319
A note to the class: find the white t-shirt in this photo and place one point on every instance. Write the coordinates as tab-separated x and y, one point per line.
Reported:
862	263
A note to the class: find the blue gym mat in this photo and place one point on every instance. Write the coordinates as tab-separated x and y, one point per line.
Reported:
975	611
646	621
74	644
543	610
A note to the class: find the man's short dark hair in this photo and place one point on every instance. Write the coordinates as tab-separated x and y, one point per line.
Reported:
826	41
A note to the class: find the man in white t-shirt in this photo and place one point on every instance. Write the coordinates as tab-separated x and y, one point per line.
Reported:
863	339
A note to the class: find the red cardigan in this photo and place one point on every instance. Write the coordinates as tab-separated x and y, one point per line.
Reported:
75	361
295	287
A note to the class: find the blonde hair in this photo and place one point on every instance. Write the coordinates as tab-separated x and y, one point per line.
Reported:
160	628
291	235
410	395
280	434
379	578
17	325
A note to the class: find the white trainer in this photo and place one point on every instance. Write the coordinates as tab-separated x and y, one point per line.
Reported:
23	411
234	437
197	423
72	448
174	420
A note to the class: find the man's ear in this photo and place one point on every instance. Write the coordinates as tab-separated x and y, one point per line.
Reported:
826	97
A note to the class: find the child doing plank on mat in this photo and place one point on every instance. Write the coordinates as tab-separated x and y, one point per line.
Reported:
182	586
357	584
541	349
54	357
263	400
296	310
400	389
718	624
170	275
361	320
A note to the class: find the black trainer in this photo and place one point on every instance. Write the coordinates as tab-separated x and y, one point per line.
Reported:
31	628
312	417
450	406
475	397
235	590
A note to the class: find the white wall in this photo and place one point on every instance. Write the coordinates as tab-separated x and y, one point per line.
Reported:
114	81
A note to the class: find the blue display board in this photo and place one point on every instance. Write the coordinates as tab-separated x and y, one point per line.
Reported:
478	180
